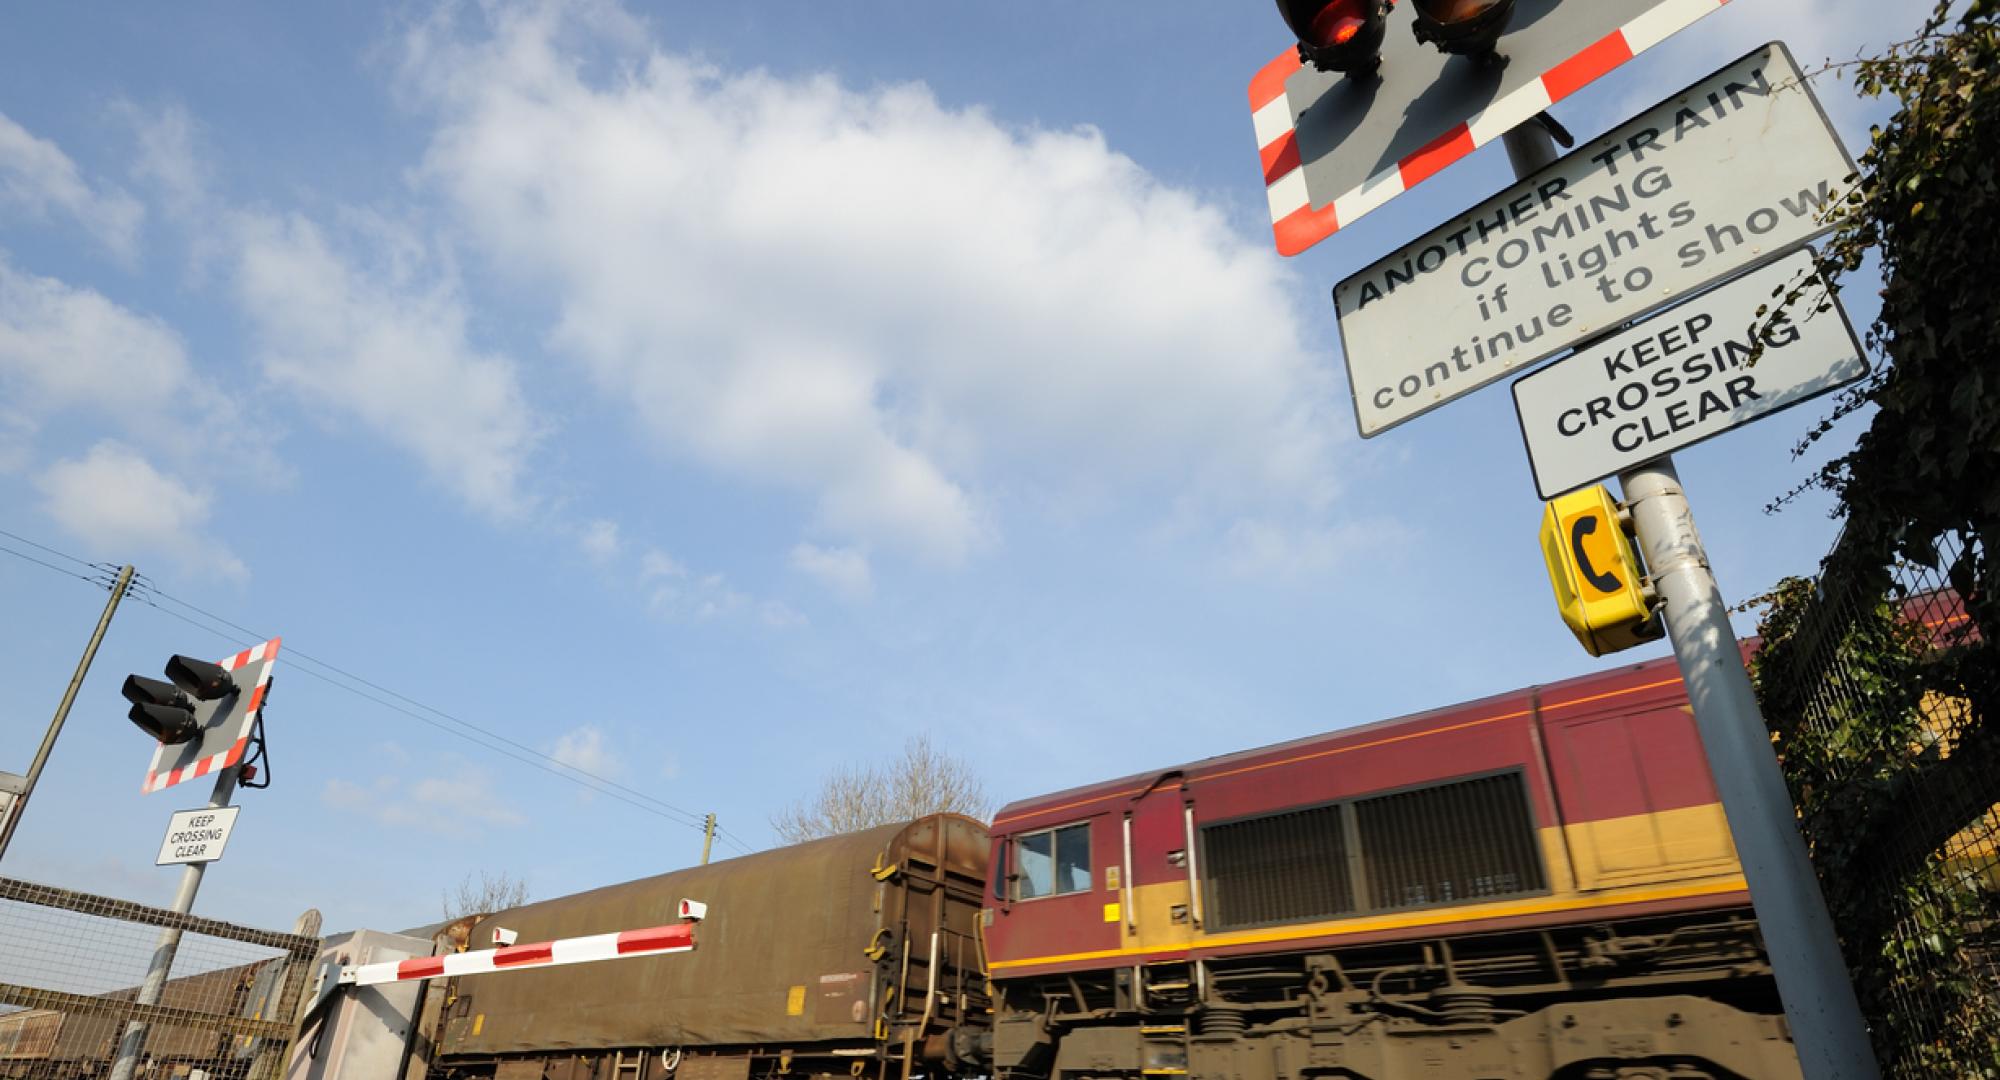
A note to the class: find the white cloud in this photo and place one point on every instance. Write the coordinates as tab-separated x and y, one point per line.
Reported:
599	539
688	597
779	615
674	592
902	310
71	355
844	570
677	594
441	804
17	440
68	352
38	180
658	564
585	748
166	157
120	506
386	344
63	347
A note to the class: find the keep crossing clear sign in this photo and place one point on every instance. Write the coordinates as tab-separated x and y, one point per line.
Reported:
197	836
1683	376
1731	172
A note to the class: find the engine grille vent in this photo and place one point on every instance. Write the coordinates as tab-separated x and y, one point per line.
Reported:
1282	868
1453	843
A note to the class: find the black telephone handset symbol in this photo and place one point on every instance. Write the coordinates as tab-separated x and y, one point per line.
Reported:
1583	526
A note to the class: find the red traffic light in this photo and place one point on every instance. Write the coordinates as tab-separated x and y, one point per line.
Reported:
201	680
1338	35
160	709
1468	27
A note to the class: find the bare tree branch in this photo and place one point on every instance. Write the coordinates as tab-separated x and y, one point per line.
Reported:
491	893
923	780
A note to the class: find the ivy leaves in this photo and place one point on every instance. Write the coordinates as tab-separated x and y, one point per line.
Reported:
1849	682
1928	202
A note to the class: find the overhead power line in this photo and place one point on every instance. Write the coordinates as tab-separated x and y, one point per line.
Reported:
24	556
145	591
149	593
48	550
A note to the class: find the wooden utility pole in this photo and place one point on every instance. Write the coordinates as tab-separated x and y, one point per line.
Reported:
707	837
62	711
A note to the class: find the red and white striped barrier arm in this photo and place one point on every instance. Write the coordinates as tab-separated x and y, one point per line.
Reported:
652	941
1297	225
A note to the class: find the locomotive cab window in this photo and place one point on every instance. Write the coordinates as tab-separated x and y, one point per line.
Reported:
1052	862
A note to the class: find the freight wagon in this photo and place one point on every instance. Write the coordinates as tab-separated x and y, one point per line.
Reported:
855	955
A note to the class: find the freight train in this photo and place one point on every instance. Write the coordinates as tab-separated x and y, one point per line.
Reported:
1539	884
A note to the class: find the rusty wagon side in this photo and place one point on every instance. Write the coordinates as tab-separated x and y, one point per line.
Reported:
854	955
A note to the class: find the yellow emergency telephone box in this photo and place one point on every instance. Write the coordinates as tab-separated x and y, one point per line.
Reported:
1599	582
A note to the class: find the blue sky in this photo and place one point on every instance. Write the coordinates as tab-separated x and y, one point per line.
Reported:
708	396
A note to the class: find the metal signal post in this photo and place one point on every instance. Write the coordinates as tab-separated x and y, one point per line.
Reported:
1827	1027
169	942
202	719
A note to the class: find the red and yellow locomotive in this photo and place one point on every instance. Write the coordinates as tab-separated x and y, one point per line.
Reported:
1536	884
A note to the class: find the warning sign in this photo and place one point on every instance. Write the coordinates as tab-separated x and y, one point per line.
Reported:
197	836
1681	377
1729	173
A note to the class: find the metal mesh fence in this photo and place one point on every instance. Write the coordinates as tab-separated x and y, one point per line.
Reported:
74	981
1875	682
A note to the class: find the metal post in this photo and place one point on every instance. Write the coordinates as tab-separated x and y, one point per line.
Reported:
168	943
707	837
1826	1022
1827	1027
62	711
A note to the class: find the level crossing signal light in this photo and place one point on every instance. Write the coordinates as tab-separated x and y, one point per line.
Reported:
175	711
1338	35
1466	27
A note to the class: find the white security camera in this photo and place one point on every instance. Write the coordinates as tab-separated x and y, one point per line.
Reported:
693	910
504	936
